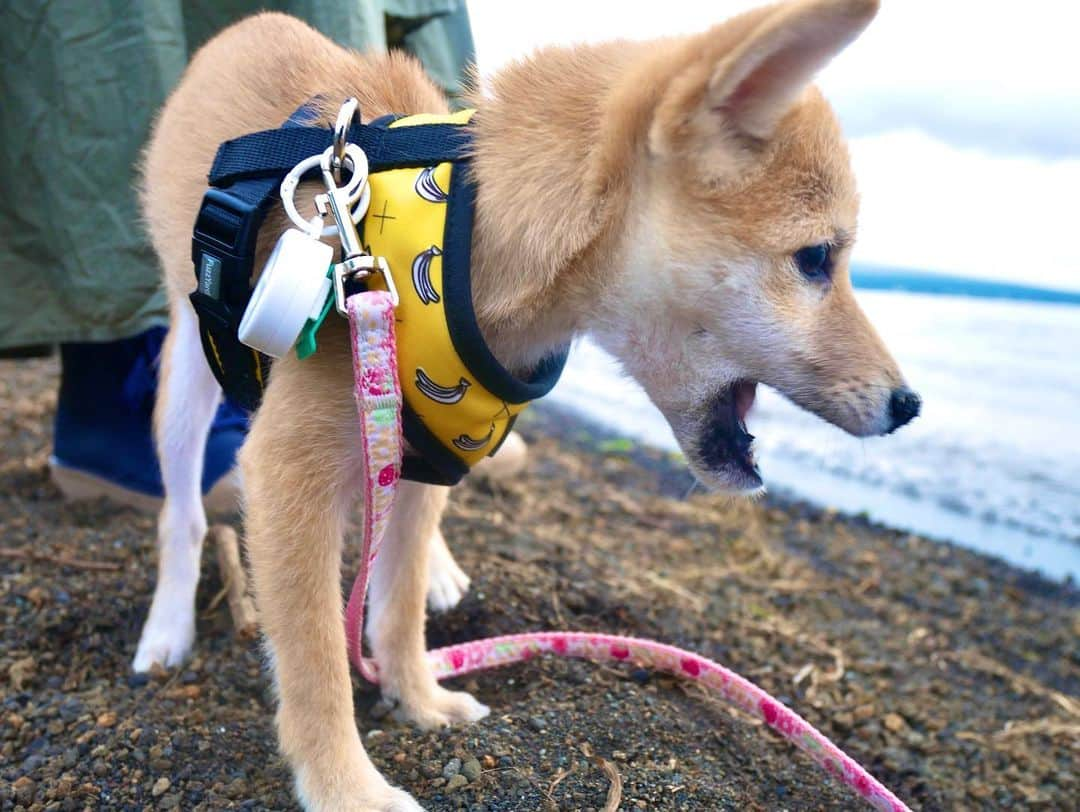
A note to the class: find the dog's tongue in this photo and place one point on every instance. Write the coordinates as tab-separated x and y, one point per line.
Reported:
744	398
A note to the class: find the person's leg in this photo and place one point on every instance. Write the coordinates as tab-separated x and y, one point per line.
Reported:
103	443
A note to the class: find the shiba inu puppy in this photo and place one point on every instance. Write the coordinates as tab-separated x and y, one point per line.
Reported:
687	202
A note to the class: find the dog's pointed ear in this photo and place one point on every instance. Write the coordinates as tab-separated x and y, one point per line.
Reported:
748	73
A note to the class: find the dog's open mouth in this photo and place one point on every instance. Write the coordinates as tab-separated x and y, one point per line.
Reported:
725	446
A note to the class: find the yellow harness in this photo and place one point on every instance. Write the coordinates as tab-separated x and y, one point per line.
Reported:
460	402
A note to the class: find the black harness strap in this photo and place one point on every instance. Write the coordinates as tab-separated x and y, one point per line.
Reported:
268	153
245	180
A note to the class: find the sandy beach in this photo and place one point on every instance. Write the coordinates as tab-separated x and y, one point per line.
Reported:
953	677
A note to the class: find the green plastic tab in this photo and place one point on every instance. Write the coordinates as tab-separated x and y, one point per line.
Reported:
305	343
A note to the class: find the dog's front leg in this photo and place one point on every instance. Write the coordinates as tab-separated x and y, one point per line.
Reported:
399	584
300	473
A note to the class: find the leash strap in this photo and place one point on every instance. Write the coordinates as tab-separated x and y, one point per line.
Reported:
464	658
379	401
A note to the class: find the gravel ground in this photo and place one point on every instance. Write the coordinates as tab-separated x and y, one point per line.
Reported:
953	677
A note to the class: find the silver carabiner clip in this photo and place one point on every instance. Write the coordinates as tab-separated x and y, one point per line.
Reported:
345	118
361	267
340	201
359	192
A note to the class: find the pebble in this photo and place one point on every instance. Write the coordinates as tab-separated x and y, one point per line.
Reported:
894	722
71	710
451	768
160	787
24	790
430	769
21	671
456	782
236	789
537	723
107	719
863	712
471	769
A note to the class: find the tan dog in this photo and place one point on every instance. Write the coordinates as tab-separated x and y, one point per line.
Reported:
687	202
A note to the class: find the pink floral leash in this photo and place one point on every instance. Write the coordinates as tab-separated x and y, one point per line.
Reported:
378	398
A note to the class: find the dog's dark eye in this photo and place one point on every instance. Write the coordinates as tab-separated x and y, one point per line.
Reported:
815	261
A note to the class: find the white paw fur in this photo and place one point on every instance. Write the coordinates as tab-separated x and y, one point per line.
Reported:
440	708
375	796
168	634
447	582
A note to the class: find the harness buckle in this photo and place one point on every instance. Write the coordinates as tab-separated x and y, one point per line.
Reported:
223	246
361	266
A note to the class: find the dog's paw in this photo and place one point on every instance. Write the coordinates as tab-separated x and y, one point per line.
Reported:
166	642
397	800
447	582
385	799
508	461
447	585
391	800
439	708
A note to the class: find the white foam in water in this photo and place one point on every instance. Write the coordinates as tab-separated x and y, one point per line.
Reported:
993	462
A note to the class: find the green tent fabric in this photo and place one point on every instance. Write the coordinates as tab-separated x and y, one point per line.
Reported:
80	84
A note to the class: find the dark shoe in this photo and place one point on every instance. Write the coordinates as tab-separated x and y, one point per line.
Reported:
103	443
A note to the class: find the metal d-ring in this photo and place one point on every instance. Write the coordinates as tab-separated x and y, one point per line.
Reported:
345	118
358	191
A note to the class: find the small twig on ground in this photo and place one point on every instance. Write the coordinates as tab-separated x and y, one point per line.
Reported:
241	606
697	602
559	776
980	662
791	632
558	611
61	560
215	601
1044	727
614	793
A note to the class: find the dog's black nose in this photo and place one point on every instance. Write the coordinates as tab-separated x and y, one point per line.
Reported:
904	406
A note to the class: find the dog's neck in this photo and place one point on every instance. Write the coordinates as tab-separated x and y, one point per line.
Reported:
551	197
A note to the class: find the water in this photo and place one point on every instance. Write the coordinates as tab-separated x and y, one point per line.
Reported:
993	462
